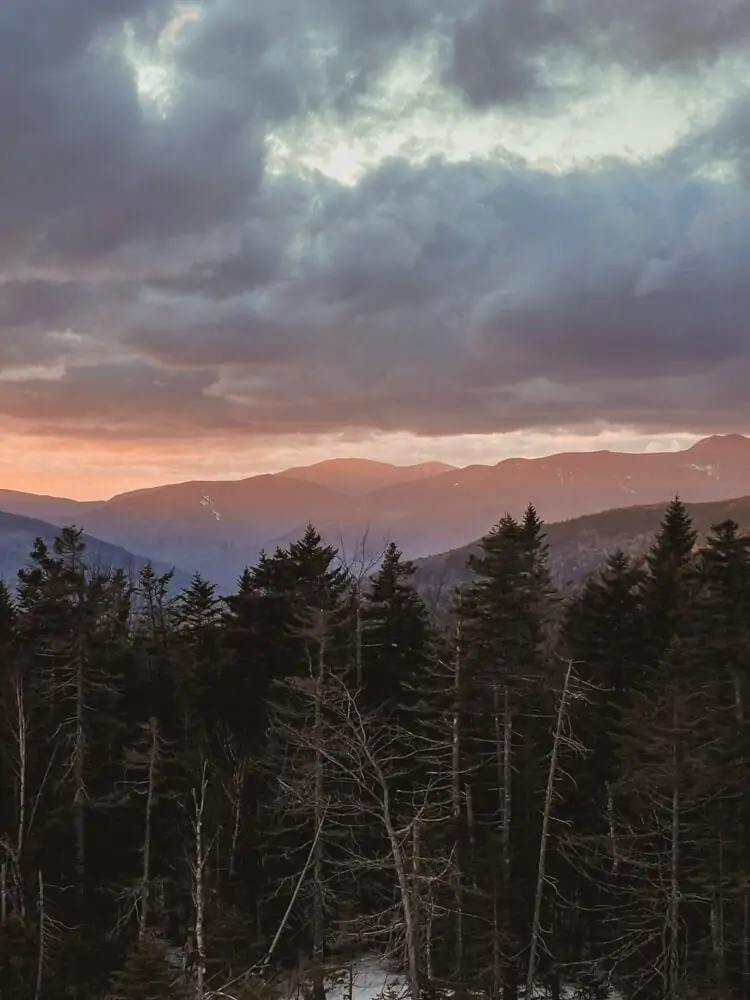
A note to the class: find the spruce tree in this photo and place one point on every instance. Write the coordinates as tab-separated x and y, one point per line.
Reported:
666	583
503	620
148	975
396	634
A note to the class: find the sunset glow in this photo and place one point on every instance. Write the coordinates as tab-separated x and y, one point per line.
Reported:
259	235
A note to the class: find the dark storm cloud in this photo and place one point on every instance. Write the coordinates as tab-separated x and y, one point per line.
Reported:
115	393
436	298
451	299
504	52
86	167
498	50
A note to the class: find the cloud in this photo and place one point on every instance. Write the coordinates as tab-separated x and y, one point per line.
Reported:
515	52
155	256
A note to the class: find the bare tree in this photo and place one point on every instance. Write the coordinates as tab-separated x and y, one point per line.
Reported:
562	739
371	758
234	788
359	565
143	763
201	851
299	735
27	798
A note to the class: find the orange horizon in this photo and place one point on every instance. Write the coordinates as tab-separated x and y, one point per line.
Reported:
87	470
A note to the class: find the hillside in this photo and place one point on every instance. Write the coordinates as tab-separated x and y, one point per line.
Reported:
579	546
18	534
56	510
451	509
219	527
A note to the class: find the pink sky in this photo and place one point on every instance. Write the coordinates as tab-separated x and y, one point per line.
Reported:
85	469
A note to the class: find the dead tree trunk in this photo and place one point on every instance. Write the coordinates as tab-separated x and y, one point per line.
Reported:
456	774
145	894
42	950
536	924
198	869
408	903
673	927
79	771
318	929
504	974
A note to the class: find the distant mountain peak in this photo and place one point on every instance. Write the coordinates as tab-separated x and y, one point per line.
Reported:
357	476
721	445
364	464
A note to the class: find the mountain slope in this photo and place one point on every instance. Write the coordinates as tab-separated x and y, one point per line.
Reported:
452	509
579	546
18	534
57	510
215	528
220	527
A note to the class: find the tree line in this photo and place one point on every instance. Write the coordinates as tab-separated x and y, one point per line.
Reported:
530	795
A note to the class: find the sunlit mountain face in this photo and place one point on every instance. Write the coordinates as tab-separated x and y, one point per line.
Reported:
245	237
217	527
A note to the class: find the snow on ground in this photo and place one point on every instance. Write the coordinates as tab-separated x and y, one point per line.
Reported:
372	979
368	978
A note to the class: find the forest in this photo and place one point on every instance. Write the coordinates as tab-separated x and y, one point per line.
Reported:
533	794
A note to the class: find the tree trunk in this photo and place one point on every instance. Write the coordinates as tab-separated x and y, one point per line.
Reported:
41	954
146	853
411	925
673	954
717	927
318	928
19	723
502	930
79	772
199	887
456	810
612	831
745	944
536	924
358	637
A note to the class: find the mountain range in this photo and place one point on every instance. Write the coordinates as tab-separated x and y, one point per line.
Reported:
18	534
218	527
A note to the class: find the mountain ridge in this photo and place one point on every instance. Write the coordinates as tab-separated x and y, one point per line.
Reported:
217	527
18	535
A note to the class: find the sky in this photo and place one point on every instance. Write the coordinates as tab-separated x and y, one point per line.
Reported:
238	235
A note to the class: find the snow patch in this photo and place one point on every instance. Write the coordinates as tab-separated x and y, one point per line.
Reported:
207	502
708	469
372	979
369	979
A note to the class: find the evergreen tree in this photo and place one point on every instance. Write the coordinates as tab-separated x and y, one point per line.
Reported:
267	781
148	975
668	575
503	618
396	635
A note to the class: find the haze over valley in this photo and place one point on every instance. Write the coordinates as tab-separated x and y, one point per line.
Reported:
217	528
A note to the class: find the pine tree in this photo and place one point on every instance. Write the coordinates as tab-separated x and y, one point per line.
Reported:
603	633
73	623
147	975
667	581
396	634
503	619
724	566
